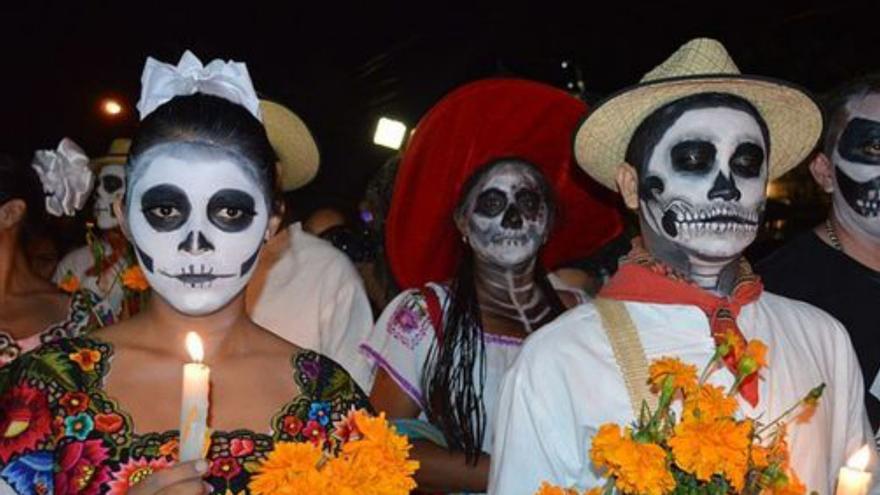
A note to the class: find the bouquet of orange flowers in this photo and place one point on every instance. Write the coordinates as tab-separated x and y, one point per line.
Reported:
373	460
707	450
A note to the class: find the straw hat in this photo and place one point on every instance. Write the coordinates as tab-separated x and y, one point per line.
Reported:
293	143
700	66
116	155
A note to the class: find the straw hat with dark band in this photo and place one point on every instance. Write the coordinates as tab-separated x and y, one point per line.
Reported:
700	66
116	155
293	143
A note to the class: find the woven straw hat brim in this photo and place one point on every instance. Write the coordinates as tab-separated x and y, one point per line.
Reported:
293	143
793	117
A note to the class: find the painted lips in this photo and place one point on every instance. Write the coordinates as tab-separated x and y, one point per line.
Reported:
197	277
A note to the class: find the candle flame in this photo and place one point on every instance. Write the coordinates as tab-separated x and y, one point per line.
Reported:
194	347
860	459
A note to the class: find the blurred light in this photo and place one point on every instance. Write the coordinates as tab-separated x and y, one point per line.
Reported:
111	107
776	191
565	64
389	133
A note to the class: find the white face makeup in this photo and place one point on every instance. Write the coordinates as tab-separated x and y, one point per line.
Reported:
856	161
110	187
198	225
507	215
706	181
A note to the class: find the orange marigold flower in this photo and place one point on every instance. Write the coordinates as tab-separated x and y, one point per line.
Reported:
70	283
85	358
708	448
548	489
708	404
133	278
753	359
760	457
637	467
287	462
684	375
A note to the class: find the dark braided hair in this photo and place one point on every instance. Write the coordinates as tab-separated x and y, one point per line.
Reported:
454	397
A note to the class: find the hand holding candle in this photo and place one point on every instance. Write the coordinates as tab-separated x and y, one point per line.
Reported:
853	479
194	402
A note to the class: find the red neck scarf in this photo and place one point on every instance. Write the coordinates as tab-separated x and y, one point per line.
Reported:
643	278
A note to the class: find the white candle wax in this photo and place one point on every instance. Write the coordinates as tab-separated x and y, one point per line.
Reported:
853	479
194	402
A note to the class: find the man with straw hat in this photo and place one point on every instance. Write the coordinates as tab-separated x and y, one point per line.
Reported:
690	149
100	264
303	289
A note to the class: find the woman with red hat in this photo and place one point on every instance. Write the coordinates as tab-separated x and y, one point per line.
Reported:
486	201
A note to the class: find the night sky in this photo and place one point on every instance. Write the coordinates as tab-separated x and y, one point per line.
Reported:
342	65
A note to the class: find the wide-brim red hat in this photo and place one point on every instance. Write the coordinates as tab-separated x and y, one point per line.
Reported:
470	127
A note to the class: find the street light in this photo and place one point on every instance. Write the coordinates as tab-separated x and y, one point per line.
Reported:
111	107
389	133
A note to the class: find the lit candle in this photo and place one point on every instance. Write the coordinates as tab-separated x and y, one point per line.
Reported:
853	479
194	403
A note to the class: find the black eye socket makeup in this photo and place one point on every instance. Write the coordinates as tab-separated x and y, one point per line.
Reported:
231	210
111	183
860	142
165	207
529	202
696	157
491	203
747	160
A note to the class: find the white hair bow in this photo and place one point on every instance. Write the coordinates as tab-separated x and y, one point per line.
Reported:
161	82
66	177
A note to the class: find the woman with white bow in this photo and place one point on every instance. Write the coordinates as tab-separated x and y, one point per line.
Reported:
32	310
102	412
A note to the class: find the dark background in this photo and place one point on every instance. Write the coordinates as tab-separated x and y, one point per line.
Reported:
342	65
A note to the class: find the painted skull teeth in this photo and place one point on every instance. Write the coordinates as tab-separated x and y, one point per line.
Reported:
869	207
197	278
682	219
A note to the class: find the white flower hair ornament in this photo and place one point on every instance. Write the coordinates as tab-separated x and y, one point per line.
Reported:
230	80
66	177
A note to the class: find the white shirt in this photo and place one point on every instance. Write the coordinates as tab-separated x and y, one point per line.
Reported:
308	292
108	288
403	339
405	334
566	383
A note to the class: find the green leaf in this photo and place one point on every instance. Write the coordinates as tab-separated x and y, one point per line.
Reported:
53	367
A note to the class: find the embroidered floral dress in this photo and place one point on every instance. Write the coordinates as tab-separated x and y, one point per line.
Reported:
79	320
61	433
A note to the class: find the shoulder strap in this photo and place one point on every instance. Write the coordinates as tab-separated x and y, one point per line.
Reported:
435	310
628	352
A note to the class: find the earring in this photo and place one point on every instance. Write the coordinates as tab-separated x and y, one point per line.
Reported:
464	239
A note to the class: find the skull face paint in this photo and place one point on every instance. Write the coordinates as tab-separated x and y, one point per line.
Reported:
111	186
703	187
198	221
856	159
507	215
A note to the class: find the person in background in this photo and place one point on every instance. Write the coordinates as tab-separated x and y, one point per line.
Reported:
101	265
836	266
33	311
303	289
487	199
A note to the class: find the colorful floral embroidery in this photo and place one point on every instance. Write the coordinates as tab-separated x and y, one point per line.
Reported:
81	468
25	420
410	321
133	472
60	433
